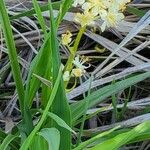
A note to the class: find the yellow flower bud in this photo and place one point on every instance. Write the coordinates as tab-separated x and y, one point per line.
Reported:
77	72
66	38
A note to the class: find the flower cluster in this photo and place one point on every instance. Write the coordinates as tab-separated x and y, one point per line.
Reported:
110	11
79	68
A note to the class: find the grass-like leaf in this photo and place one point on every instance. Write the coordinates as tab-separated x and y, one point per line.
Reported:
136	11
93	139
60	104
100	95
60	122
29	139
39	16
9	138
6	26
52	136
28	13
123	138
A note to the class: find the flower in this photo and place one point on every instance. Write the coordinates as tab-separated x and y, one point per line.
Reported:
80	68
78	2
85	18
121	4
77	72
110	11
96	6
111	18
66	38
79	63
66	76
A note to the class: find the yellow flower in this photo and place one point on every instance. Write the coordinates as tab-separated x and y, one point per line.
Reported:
119	5
96	6
85	18
66	38
110	11
111	18
77	72
80	67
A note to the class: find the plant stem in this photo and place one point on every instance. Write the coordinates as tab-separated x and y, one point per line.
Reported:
84	115
73	51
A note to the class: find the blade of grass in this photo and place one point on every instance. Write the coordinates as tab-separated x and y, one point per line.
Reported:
6	142
45	89
64	7
56	5
60	105
14	144
93	139
123	138
39	16
60	122
125	104
84	115
4	20
38	66
135	11
114	104
100	95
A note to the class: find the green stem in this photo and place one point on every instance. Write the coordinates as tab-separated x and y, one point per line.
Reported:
84	115
4	19
73	52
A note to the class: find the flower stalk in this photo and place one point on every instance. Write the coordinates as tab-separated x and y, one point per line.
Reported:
69	64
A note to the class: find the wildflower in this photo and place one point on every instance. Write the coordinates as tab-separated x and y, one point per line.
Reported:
77	72
66	38
79	63
110	11
66	76
121	4
80	68
85	18
78	2
96	6
111	18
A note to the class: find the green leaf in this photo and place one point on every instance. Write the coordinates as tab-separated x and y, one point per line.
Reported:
38	66
38	143
52	136
94	139
13	144
8	35
39	16
123	138
136	11
60	122
60	104
31	12
64	7
101	94
29	139
43	80
6	142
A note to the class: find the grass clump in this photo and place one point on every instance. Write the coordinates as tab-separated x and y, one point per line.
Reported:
57	121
